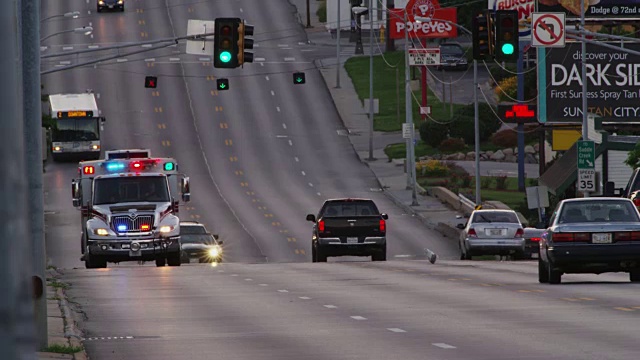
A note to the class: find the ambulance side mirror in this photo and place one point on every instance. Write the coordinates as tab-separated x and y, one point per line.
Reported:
75	193
186	191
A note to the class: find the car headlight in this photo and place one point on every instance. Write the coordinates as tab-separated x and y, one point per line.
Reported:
120	2
214	251
101	2
101	232
166	229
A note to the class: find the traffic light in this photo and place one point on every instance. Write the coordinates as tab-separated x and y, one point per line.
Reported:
150	82
298	78
244	30
222	84
482	35
225	43
506	48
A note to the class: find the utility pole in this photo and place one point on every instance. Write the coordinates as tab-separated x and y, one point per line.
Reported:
583	56
389	41
338	64
309	15
32	112
371	33
411	167
476	121
16	304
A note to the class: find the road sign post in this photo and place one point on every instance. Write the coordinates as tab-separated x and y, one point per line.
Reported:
586	166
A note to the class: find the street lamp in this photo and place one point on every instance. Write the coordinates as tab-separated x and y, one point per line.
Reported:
475	103
71	14
358	11
81	30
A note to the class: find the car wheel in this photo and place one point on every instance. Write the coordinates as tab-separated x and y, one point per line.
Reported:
160	262
543	273
313	254
380	256
174	260
634	276
320	256
99	9
94	262
555	277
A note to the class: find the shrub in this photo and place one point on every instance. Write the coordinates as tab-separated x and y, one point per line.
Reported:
433	133
531	182
501	182
464	124
485	182
465	180
450	145
433	168
322	12
507	89
505	139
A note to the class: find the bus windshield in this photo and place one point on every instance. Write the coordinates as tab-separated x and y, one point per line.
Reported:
77	129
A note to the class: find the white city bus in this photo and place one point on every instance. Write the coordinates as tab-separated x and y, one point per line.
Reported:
77	125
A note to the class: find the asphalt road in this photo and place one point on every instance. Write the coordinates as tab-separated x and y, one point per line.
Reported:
261	156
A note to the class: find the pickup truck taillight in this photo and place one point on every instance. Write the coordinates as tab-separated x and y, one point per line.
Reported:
321	225
383	225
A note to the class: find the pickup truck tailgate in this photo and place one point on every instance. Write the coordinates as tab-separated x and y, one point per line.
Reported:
356	226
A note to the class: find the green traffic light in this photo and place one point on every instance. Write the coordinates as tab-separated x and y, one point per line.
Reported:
225	56
222	86
507	49
298	79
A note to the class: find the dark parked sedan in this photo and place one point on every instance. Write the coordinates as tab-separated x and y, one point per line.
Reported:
591	235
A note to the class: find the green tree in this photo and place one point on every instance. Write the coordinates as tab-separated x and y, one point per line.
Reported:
633	159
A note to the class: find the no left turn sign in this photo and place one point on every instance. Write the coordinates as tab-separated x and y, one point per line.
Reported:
548	29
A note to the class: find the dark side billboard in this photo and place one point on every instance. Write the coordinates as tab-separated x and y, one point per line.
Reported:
612	77
593	8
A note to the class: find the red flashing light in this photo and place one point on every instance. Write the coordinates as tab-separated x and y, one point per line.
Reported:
88	170
145	227
136	165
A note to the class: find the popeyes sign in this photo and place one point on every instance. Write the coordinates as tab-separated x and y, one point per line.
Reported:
442	24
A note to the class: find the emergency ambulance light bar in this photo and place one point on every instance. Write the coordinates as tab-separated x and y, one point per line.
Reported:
88	170
114	166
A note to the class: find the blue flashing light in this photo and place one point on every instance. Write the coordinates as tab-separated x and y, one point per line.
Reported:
122	228
115	166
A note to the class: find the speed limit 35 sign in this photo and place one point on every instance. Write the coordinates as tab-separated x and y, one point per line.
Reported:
586	180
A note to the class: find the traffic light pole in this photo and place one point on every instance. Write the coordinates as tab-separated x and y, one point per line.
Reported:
585	121
476	124
411	167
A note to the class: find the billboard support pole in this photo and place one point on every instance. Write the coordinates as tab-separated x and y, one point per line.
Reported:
520	96
585	124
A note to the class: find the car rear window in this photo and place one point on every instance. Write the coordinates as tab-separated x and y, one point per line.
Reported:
350	208
598	211
495	217
451	50
191	229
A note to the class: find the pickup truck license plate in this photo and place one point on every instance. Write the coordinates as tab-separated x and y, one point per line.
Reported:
601	238
352	240
135	253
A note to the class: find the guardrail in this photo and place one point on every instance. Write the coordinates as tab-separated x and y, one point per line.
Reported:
464	200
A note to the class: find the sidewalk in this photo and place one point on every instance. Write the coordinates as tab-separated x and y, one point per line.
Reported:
62	330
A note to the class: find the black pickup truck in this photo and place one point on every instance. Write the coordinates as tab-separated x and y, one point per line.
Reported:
349	227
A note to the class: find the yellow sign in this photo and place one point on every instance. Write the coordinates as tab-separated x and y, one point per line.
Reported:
562	140
478	207
76	113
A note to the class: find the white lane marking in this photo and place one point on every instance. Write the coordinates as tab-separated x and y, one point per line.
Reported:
330	306
358	318
94	46
262	63
304	297
263	284
174	59
91	36
259	59
241	10
319	194
289	59
146	45
66	62
256	45
121	60
283	45
396	330
150	59
90	23
273	93
129	337
67	48
283	291
220	271
402	256
290	143
302	43
444	346
98	95
248	279
296	159
234	274
205	59
278	108
267	77
310	184
307	50
304	173
284	125
282	136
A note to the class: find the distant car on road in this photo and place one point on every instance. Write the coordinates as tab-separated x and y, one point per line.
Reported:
110	4
532	242
591	235
452	57
348	227
197	242
492	232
